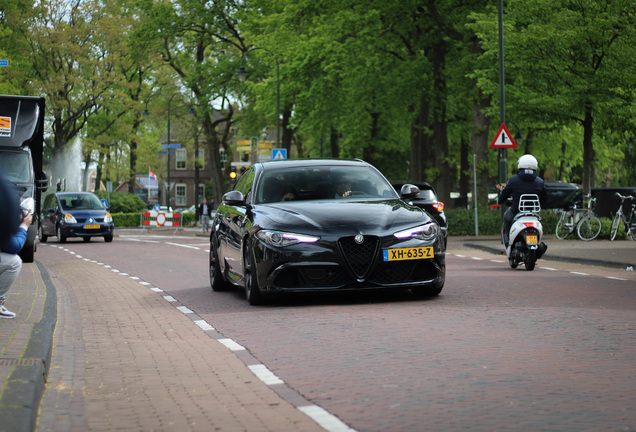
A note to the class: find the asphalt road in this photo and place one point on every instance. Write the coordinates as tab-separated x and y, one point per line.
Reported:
499	349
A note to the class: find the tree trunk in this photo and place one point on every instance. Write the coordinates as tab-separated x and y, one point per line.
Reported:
440	124
420	140
479	140
588	151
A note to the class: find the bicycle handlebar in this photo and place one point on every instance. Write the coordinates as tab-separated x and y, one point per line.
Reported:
624	197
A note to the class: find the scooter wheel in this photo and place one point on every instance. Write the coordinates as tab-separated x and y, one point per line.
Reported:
513	263
531	261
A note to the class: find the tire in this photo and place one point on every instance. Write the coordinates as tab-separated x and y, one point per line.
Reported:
562	228
43	238
217	282
61	238
589	228
531	261
614	228
108	238
253	293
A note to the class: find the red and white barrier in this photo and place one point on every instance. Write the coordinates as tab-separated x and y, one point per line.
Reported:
152	218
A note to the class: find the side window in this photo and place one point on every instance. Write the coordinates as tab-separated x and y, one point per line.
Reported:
245	184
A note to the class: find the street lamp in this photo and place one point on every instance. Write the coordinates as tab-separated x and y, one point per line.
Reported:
146	114
243	75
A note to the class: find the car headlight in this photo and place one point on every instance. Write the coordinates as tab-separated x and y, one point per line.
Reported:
424	232
108	218
282	239
68	218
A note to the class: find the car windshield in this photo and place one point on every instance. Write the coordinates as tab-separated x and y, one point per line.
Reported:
81	202
322	183
15	166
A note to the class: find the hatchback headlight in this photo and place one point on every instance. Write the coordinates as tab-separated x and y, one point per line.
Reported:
68	218
108	218
424	232
282	239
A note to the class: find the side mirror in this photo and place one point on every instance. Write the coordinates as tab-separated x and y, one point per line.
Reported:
234	198
409	191
41	181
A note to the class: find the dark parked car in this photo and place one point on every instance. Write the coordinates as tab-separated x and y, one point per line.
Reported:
323	225
427	200
75	214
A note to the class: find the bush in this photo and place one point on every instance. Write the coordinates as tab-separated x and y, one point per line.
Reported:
122	202
461	222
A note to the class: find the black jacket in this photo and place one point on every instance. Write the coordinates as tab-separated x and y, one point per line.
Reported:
525	182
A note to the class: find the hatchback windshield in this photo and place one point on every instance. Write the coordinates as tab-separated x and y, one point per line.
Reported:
81	202
322	183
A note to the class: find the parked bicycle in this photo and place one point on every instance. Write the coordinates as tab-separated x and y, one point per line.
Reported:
589	227
568	221
629	221
583	220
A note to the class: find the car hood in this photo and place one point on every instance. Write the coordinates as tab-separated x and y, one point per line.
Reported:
341	218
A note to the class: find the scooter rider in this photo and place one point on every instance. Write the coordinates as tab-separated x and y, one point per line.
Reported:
525	181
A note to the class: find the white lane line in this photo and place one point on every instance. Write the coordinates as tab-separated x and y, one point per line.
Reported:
203	324
579	273
233	346
265	375
170	298
157	290
184	309
549	268
324	419
616	278
476	258
183	245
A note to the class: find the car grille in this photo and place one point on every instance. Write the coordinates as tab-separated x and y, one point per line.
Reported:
313	277
83	220
386	273
359	257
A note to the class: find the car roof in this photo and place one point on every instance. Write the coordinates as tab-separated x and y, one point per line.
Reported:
291	163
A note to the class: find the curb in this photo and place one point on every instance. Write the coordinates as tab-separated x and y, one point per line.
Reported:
21	398
548	257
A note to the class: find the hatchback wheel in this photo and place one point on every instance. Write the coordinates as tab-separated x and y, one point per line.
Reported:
61	238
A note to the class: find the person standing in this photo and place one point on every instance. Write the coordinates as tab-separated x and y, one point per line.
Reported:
11	242
204	215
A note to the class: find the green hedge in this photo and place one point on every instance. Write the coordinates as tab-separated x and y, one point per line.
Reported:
133	220
461	222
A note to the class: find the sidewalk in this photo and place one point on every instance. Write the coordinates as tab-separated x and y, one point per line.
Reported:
128	354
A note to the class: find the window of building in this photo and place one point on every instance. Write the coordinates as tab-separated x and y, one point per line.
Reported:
181	159
180	195
200	159
201	192
223	157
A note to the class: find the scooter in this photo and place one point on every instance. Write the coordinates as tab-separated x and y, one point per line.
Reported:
525	245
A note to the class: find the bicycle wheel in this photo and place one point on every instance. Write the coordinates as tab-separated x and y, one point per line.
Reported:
589	228
632	231
565	225
614	228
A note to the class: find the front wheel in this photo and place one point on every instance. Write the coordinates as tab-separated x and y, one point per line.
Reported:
217	283
253	293
61	238
564	227
589	228
43	238
614	229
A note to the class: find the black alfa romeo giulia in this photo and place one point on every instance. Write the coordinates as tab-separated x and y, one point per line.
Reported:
323	225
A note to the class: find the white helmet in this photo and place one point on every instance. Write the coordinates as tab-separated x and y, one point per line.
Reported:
527	162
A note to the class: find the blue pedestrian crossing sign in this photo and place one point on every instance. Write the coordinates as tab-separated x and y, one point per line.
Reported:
279	154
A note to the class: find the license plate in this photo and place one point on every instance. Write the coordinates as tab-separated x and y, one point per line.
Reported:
91	226
401	254
532	239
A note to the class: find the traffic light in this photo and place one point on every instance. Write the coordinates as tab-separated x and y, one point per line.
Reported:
233	174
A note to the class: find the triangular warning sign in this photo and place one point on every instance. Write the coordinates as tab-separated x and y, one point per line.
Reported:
503	139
